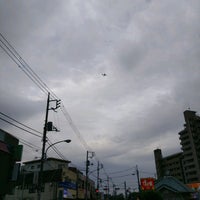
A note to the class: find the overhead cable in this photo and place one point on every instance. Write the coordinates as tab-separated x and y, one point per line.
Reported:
22	64
20	128
14	55
20	122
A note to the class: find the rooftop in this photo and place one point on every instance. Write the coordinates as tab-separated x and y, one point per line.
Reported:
48	159
172	184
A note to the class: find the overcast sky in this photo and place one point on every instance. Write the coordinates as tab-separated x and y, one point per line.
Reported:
150	52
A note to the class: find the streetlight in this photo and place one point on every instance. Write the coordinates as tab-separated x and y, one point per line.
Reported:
67	141
44	153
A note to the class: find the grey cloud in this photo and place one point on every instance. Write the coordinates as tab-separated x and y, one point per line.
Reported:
149	51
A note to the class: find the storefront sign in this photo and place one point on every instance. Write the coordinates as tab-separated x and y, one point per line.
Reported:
147	183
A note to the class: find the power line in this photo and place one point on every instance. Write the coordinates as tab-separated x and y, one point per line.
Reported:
56	150
121	176
32	146
20	127
21	63
26	142
77	132
19	122
74	128
125	170
14	55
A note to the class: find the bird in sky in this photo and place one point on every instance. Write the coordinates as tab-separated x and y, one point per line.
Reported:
104	74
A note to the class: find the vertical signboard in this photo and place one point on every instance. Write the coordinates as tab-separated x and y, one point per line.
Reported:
147	183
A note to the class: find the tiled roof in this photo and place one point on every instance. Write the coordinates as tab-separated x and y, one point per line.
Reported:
172	184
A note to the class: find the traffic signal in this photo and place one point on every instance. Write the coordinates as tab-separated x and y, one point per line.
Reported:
97	190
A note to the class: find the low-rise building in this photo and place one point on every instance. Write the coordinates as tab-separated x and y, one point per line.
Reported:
171	188
59	181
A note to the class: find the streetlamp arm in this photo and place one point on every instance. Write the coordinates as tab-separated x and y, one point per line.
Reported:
67	141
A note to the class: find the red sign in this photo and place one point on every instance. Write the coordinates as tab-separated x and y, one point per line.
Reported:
194	186
147	183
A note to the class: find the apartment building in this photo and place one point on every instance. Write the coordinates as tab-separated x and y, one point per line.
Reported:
190	142
184	165
169	165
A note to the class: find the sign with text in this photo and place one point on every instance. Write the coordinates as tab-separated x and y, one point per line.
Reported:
67	184
147	183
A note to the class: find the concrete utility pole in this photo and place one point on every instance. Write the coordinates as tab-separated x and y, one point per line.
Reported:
98	180
77	183
138	178
87	170
43	150
125	190
46	128
108	191
86	181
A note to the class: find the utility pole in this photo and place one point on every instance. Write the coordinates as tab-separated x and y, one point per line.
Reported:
77	183
98	180
43	150
125	190
87	170
138	178
86	181
114	190
108	187
44	139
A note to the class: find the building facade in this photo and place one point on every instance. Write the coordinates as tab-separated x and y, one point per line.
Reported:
190	142
185	165
59	182
10	153
169	165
